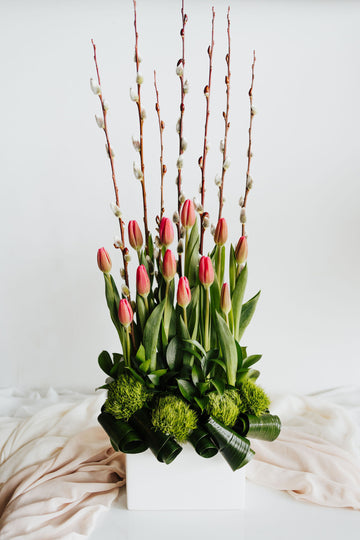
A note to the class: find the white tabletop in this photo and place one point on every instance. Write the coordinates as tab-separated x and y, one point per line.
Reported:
282	518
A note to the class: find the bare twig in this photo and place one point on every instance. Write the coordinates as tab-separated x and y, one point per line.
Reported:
111	158
249	152
202	160
162	166
226	117
141	125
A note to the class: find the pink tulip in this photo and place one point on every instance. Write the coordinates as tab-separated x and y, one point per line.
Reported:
169	265
125	312
225	301
206	271
166	232
188	216
142	281
103	260
183	292
241	251
135	236
221	232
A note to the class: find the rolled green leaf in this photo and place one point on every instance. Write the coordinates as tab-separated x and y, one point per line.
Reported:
266	427
202	443
122	436
247	312
234	448
164	447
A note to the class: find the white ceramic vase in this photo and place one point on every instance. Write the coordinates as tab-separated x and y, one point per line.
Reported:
190	482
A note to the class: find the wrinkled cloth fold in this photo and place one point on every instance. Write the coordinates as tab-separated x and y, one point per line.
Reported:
58	469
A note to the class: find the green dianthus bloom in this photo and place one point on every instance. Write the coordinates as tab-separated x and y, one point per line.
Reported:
174	417
125	396
253	398
225	407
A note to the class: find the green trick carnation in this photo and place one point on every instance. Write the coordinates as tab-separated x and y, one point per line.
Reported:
225	407
125	396
174	417
253	398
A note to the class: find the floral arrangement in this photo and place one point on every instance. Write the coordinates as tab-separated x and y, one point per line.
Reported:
182	375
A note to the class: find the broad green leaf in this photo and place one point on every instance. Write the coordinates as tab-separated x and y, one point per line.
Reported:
219	362
187	389
240	354
219	385
203	387
196	374
228	349
151	334
174	353
135	374
251	360
202	402
197	345
140	355
247	313
237	299
145	366
105	362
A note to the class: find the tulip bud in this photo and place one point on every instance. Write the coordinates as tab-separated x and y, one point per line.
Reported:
188	216
225	302
135	236
183	292
125	312
103	260
221	232
241	251
206	272
142	281
166	232
169	265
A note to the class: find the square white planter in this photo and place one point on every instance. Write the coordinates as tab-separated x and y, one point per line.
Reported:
190	482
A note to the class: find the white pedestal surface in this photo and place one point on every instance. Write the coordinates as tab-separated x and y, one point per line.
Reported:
190	482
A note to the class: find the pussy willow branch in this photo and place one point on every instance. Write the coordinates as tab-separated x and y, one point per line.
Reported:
162	166
226	116
202	160
141	127
181	62
249	152
109	151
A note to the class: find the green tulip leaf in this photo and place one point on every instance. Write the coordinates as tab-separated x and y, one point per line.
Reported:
174	353
251	360
247	313
228	349
151	334
237	299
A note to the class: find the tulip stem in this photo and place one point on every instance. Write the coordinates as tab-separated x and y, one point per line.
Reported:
218	264
207	313
185	316
127	358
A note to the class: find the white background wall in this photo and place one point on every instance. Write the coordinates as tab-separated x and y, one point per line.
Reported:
303	213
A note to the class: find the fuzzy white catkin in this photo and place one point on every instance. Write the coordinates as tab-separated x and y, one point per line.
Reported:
243	215
99	121
95	88
226	164
116	210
